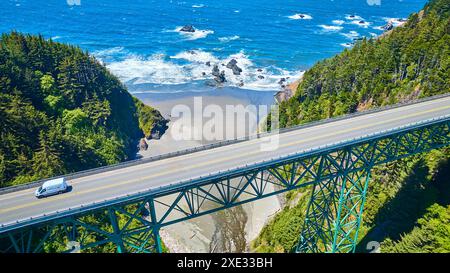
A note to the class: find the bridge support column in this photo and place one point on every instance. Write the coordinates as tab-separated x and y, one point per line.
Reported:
335	211
156	227
116	229
158	246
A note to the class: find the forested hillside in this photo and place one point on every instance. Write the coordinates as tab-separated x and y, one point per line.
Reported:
407	208
61	111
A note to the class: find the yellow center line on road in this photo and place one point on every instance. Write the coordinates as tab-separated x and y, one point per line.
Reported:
129	169
245	143
157	163
69	195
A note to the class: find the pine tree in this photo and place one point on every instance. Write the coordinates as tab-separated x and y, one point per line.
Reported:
46	161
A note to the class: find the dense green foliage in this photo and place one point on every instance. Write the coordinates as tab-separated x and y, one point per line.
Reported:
413	61
148	117
61	111
431	235
281	234
102	221
407	204
400	194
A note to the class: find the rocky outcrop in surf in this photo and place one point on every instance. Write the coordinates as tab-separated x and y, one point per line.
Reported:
187	28
388	26
219	76
233	66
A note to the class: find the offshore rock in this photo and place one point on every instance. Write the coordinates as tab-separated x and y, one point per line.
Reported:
188	28
236	70
282	80
233	66
388	26
215	70
219	77
231	63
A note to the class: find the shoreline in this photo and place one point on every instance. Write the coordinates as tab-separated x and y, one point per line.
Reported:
289	90
199	235
221	97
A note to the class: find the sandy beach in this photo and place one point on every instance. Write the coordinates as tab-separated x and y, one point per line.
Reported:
221	97
199	235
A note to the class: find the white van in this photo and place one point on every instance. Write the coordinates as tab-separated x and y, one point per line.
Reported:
51	187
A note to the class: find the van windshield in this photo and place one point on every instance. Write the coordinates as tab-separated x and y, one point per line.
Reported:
40	189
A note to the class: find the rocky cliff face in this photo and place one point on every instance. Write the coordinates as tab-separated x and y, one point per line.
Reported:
400	66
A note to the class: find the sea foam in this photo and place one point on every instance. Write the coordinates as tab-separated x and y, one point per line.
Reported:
395	21
348	45
194	65
196	56
361	23
338	22
198	34
300	16
351	35
353	17
331	28
229	38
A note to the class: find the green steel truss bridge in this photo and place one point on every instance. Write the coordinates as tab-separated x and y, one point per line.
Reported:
334	157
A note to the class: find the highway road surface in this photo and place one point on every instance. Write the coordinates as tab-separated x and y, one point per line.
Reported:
22	204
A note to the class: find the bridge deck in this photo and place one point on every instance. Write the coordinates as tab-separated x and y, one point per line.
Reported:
97	187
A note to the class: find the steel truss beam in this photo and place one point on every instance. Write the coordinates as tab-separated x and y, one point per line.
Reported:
339	177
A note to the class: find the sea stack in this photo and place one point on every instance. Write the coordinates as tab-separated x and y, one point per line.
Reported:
187	28
219	77
233	66
388	26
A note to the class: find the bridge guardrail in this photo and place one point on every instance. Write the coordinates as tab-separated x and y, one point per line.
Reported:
167	189
212	145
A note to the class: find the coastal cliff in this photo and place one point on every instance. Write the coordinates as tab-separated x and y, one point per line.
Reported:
407	206
62	111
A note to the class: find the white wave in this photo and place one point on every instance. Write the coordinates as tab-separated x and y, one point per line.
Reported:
270	81
338	22
300	16
196	56
348	45
353	17
379	28
190	66
156	69
237	11
198	6
395	21
361	23
108	51
331	28
351	35
56	38
229	38
198	34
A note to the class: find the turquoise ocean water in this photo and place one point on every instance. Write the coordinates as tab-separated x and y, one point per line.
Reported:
140	41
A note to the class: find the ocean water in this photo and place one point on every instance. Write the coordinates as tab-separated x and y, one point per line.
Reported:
140	41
